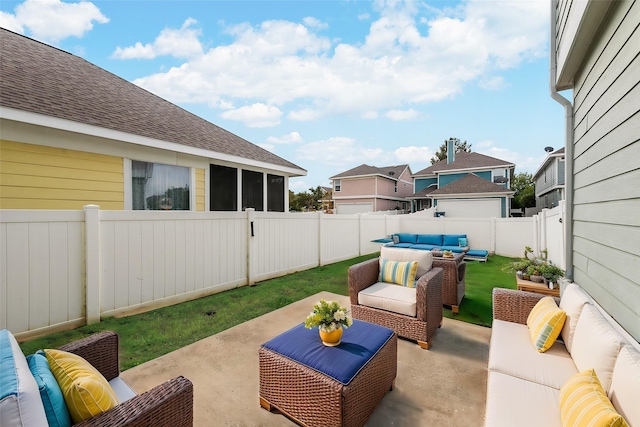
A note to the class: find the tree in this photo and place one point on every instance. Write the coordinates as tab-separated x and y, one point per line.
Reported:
525	191
441	154
306	200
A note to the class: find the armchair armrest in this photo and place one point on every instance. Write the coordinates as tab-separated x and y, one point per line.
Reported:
514	306
100	350
429	295
169	404
361	276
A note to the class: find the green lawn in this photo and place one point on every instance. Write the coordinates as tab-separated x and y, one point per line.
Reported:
149	335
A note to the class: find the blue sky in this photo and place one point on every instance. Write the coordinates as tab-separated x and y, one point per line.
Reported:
329	85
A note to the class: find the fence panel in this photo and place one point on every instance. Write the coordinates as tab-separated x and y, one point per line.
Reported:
339	237
41	277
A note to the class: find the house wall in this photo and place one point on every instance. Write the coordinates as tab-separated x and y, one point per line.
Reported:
356	187
606	212
422	183
200	189
38	177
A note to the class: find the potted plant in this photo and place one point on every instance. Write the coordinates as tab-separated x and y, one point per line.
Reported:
330	318
551	273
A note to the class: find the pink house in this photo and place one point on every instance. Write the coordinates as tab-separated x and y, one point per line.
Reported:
369	189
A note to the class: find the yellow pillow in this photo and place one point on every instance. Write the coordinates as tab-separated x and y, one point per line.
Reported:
398	272
545	323
86	392
584	402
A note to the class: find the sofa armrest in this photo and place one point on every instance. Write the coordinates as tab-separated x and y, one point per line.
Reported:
361	276
514	306
100	350
429	295
169	404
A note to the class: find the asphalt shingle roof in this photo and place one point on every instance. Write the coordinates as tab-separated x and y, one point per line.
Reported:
464	160
470	184
364	170
38	78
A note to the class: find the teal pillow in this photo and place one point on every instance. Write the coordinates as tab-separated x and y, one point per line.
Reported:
52	399
462	242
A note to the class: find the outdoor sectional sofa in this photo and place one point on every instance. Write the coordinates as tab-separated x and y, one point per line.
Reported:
30	395
438	242
524	386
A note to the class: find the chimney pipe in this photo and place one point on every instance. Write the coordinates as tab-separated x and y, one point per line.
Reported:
451	150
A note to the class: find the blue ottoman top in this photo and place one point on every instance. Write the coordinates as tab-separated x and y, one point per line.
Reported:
358	345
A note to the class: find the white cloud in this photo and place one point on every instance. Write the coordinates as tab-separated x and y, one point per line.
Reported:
71	19
397	115
417	157
179	43
290	138
312	22
255	116
340	151
409	57
524	162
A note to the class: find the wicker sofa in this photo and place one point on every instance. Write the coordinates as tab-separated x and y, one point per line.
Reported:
417	318
524	386
169	404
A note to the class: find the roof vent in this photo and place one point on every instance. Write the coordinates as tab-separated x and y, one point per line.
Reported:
391	173
548	149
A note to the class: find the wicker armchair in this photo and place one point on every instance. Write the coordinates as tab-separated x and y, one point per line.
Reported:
167	405
428	318
453	284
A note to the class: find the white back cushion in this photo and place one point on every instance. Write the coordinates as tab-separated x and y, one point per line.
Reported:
572	301
596	344
24	408
424	258
625	385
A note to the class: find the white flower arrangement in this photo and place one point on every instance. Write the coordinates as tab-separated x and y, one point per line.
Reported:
328	316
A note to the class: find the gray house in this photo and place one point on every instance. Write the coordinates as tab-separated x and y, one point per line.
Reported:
595	53
549	180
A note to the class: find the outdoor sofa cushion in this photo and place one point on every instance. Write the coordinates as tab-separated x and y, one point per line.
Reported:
625	385
424	258
398	272
386	296
52	399
452	239
20	403
429	239
545	322
573	299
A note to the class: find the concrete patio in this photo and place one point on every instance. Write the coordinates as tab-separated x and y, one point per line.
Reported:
442	386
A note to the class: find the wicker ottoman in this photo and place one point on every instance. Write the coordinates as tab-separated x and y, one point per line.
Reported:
323	386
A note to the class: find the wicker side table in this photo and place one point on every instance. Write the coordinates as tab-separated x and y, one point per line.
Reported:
311	397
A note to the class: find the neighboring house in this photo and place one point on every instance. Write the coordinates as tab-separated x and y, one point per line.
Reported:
327	200
370	189
549	180
465	185
595	48
74	134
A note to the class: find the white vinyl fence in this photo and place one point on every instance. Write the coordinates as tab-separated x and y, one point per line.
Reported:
63	269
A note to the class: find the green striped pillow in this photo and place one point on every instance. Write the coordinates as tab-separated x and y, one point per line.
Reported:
583	402
398	272
545	323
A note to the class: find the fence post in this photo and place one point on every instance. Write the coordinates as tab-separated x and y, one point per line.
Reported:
251	231
92	262
320	219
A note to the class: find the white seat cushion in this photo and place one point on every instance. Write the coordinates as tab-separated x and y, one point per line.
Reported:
511	352
625	385
424	258
596	344
513	402
572	301
121	389
390	297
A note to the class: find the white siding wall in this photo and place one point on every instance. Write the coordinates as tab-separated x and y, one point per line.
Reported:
606	237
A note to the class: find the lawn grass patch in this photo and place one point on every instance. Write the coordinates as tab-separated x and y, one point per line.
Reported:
149	335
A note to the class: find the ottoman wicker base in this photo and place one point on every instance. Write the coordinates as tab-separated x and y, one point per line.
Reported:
312	398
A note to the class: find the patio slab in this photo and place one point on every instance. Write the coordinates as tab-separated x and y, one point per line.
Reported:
445	385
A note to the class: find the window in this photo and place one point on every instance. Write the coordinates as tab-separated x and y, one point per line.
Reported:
159	187
336	185
275	193
252	190
395	186
224	188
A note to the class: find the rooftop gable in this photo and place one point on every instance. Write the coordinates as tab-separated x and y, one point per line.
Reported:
470	184
41	79
464	161
391	172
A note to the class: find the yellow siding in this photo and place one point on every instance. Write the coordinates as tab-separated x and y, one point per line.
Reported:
38	177
200	189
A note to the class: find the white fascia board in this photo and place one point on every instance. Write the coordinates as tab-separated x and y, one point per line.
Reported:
477	169
470	195
82	128
547	161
